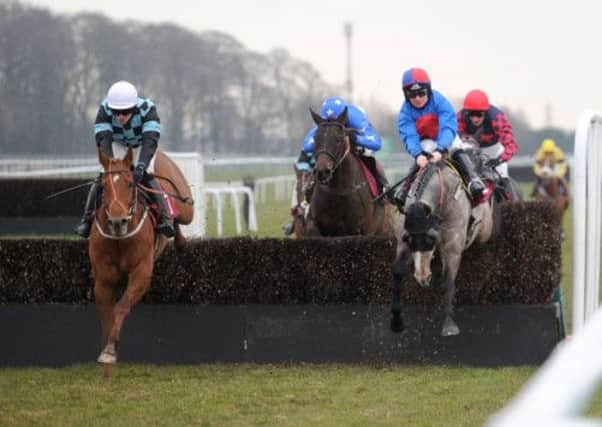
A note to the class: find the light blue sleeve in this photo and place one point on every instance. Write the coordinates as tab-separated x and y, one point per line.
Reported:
448	121
408	134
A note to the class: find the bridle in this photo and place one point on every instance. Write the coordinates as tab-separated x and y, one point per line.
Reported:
131	209
336	161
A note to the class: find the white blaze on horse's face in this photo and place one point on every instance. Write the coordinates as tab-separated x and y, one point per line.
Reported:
422	267
115	178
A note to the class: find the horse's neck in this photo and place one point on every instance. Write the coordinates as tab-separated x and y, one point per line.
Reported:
344	175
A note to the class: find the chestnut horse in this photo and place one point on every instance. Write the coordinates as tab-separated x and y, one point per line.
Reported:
549	187
342	203
123	243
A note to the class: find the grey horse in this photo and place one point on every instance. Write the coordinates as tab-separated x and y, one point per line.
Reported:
438	215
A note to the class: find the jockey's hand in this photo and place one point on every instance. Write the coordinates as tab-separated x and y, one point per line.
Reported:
139	173
422	161
495	162
436	157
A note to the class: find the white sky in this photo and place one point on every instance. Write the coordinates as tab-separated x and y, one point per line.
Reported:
523	53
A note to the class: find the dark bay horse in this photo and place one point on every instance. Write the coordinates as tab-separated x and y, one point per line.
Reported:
438	216
549	187
342	203
123	244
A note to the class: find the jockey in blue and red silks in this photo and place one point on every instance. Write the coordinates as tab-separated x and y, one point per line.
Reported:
428	126
366	141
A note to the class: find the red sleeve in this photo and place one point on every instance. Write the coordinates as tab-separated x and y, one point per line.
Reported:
461	124
503	130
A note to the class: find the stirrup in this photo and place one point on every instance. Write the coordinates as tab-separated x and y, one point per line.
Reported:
476	188
288	229
83	228
165	228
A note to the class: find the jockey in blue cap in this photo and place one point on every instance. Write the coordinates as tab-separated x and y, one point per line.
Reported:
366	141
428	127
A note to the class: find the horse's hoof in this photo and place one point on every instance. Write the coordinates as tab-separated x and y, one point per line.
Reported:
449	328
107	358
396	324
107	370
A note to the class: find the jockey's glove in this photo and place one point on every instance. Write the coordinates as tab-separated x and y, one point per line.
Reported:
495	162
139	173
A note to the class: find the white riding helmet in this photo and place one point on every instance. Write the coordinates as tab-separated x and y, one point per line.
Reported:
122	95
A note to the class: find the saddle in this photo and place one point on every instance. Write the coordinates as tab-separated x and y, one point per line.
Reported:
368	165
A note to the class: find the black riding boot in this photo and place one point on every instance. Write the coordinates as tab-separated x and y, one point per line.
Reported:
165	226
83	228
401	194
466	168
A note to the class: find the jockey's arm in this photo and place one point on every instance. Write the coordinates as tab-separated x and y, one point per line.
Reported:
151	131
103	132
150	142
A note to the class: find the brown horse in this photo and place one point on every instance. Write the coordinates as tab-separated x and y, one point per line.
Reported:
549	187
342	203
123	243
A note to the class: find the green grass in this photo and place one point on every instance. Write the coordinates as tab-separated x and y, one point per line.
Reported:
262	395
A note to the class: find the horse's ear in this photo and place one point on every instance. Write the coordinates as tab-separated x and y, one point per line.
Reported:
129	156
103	159
342	119
316	117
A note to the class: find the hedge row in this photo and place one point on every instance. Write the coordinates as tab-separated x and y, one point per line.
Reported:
521	266
27	197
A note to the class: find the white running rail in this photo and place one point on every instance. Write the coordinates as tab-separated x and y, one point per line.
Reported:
587	212
561	391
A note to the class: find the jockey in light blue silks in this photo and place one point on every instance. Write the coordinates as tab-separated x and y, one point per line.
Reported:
126	120
366	141
428	127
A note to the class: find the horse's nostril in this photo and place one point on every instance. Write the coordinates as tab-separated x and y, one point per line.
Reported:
124	221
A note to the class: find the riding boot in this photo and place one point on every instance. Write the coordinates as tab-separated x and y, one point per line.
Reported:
466	168
401	194
83	228
309	189
164	226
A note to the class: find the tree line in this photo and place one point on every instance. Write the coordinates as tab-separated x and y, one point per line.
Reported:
213	95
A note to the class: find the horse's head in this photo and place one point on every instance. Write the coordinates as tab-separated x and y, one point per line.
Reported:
119	192
548	169
331	145
422	221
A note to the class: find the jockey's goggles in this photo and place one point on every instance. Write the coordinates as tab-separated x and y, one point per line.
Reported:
417	93
122	112
478	114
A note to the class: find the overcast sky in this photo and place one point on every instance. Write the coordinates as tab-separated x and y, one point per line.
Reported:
524	54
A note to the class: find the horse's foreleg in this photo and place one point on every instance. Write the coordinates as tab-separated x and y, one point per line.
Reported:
103	296
138	284
450	270
400	267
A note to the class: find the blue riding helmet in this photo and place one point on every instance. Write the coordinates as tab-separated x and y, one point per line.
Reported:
333	107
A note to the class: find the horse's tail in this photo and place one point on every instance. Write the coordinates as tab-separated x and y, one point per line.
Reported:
180	241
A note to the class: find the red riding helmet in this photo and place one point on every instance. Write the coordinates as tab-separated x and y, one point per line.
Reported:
476	100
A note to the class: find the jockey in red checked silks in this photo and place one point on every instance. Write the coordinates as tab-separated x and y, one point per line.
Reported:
365	141
427	126
489	127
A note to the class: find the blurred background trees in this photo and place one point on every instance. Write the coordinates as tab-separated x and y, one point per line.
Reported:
213	95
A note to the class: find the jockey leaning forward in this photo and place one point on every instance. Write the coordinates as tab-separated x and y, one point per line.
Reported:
427	125
489	127
365	141
126	120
